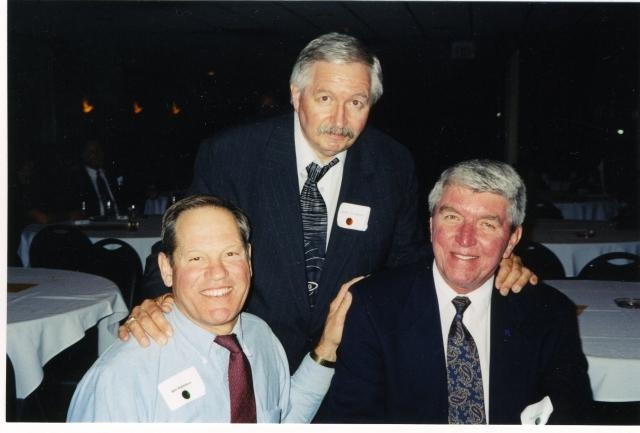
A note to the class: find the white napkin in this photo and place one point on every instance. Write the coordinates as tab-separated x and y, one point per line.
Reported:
537	413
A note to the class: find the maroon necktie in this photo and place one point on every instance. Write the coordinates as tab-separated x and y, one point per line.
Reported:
243	401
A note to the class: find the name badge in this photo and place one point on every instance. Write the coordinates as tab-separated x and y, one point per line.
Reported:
353	216
182	388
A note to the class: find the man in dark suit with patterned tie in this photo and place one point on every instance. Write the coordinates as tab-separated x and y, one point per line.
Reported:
433	343
314	233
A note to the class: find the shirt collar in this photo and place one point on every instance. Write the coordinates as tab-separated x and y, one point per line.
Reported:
304	153
92	172
480	298
199	337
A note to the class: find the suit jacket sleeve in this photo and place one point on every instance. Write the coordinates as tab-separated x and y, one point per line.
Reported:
204	171
566	377
409	245
152	284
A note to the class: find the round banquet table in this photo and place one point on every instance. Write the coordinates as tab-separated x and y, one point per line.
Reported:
574	251
610	336
49	310
141	240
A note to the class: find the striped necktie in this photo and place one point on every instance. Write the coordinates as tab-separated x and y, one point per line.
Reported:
241	396
464	381
314	226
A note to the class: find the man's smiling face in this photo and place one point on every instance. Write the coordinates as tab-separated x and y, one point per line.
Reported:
470	232
211	269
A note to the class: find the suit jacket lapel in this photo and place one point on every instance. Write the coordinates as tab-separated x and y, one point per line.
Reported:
278	186
420	330
358	169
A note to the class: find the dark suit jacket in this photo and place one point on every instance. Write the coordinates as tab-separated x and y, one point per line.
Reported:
80	188
391	363
255	167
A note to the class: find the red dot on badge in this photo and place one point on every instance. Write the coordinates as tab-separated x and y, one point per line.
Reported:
349	221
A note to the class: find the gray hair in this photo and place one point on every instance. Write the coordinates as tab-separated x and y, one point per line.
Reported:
338	49
485	176
170	219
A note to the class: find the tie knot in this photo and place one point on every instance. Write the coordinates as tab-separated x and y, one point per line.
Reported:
461	303
315	173
229	342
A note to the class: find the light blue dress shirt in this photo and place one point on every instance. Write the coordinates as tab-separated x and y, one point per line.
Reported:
123	385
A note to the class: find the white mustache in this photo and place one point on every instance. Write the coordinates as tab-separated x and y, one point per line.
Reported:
345	131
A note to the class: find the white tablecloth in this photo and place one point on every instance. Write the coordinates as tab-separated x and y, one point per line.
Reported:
575	252
596	209
44	320
141	240
610	336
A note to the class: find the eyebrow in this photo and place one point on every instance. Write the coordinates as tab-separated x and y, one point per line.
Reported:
362	94
489	217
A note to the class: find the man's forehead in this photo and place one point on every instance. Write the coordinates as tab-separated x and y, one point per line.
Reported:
323	70
209	220
458	197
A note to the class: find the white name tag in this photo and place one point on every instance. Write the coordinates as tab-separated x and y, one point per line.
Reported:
182	388
537	413
353	217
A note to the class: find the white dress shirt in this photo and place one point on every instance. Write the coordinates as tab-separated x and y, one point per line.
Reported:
329	185
477	319
93	174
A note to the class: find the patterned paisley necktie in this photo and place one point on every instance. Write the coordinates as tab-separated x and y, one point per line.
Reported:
466	394
314	226
241	396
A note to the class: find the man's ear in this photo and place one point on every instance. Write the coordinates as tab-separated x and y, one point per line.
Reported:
250	267
165	269
295	96
513	241
431	228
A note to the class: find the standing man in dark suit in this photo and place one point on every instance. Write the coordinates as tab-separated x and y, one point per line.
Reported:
89	186
433	343
369	194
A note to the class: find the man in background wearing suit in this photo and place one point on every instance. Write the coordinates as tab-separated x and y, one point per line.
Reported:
89	186
433	343
311	235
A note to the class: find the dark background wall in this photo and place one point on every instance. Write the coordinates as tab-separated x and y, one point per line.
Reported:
225	62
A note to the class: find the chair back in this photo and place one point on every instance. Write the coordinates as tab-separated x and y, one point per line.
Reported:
540	259
61	247
12	410
117	261
612	267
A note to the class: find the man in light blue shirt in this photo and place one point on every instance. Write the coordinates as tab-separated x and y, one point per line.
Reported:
207	261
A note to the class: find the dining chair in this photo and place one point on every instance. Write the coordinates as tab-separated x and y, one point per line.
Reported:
62	247
540	259
117	261
618	266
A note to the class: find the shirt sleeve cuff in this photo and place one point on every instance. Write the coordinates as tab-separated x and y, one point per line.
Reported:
316	376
